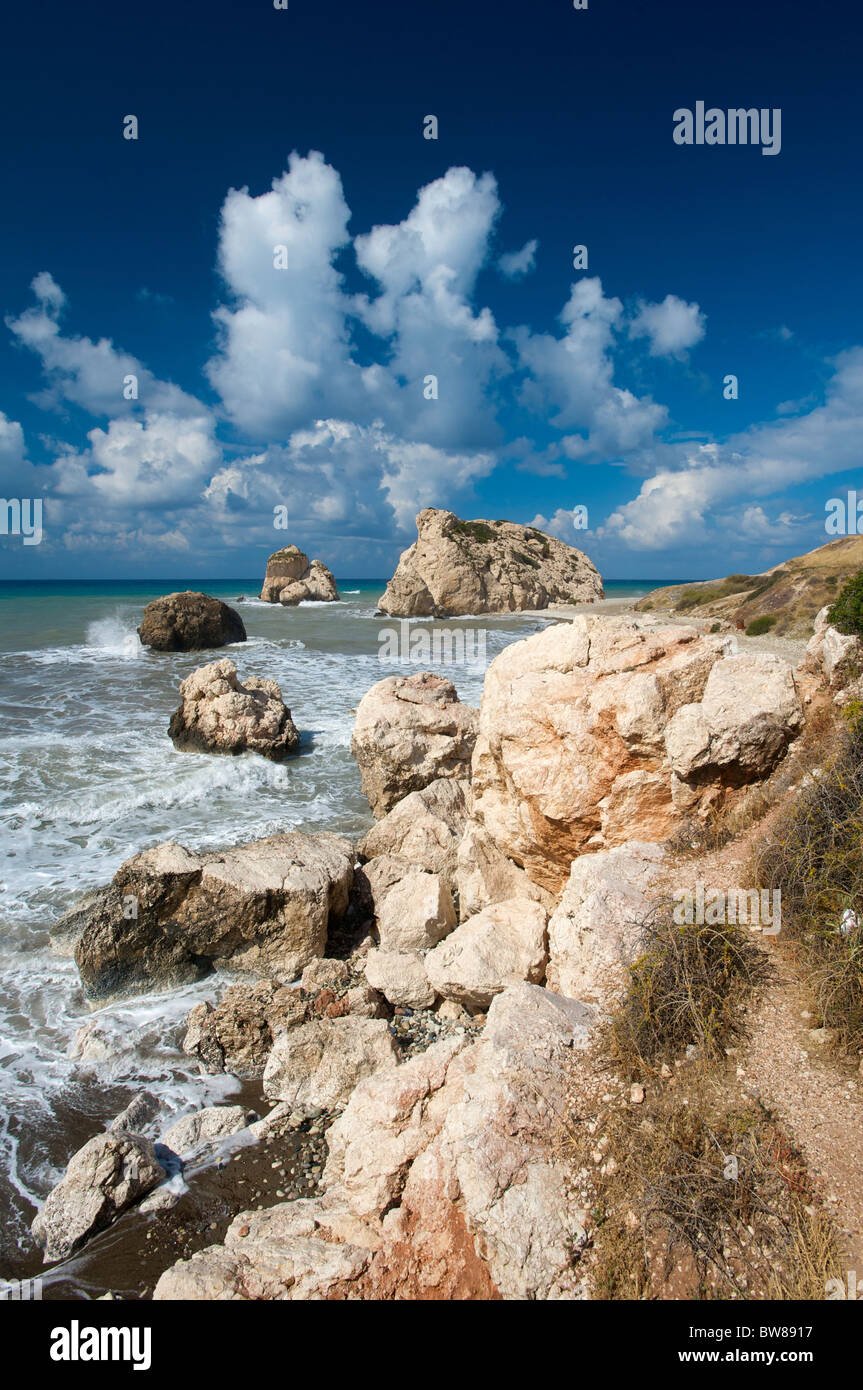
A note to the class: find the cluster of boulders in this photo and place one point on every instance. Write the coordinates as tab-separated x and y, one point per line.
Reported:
121	1166
440	1182
292	578
500	893
463	567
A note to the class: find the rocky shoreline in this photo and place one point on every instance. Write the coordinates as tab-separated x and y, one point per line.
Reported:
412	1012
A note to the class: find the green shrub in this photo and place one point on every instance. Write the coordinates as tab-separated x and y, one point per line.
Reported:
759	626
475	531
846	613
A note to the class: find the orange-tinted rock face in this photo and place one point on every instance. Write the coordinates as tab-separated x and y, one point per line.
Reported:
596	732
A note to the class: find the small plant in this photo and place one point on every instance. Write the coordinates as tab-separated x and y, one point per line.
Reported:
685	988
846	614
759	626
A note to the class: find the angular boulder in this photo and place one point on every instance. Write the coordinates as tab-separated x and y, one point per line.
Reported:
292	578
170	916
749	713
594	931
572	754
189	622
484	875
321	1062
207	1126
106	1176
410	731
401	978
237	1034
220	714
502	945
458	567
832	654
425	828
413	910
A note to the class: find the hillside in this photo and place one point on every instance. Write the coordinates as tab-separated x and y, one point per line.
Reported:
790	594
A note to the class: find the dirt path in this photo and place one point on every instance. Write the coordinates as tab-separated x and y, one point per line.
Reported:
794	1075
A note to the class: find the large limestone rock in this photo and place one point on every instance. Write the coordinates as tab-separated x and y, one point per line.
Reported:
425	828
188	622
321	1062
464	567
413	910
443	1180
502	945
220	714
747	716
572	755
594	931
170	915
291	578
103	1178
831	653
410	731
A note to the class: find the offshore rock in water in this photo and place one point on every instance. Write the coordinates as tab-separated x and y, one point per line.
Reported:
188	622
221	714
291	577
170	916
458	567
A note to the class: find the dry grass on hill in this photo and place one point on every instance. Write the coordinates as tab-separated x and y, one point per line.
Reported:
783	600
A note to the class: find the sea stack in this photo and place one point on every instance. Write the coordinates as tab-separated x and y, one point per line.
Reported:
291	577
456	568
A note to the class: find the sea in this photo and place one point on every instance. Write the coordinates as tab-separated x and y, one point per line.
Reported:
89	777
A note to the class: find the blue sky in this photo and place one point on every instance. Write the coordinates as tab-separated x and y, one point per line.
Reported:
304	387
